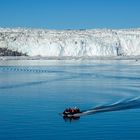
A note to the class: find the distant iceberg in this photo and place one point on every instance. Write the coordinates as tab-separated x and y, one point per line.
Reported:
69	43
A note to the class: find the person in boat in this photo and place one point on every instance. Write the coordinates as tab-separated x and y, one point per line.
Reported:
71	111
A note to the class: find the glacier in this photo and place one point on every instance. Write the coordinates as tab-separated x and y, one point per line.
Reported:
69	43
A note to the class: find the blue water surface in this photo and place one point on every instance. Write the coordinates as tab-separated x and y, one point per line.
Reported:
32	96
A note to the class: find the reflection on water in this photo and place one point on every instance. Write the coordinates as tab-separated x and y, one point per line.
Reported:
31	97
71	119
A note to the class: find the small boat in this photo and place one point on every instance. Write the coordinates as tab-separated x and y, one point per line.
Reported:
71	112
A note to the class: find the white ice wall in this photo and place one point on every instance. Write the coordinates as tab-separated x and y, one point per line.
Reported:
73	43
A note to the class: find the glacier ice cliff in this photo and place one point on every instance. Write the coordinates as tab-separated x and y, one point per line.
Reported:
69	43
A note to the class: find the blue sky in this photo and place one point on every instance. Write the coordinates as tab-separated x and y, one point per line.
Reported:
70	14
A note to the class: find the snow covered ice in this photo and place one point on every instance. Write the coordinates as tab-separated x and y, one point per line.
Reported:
70	43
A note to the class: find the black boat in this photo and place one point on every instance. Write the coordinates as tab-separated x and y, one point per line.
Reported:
71	112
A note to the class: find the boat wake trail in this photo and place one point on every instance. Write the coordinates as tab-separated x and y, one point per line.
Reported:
133	103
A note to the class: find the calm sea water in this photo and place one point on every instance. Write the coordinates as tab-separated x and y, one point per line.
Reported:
33	93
